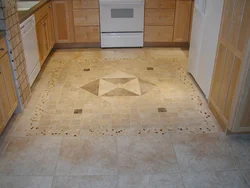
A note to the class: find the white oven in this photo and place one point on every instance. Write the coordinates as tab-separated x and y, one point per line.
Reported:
122	23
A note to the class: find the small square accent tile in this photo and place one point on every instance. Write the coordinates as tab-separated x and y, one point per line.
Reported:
88	69
150	68
162	110
78	111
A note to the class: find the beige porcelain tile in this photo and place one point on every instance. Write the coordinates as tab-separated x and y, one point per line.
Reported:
218	179
87	156
85	182
206	152
240	149
150	181
26	181
30	156
146	155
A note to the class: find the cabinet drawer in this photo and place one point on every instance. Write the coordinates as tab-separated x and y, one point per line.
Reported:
85	4
86	17
160	4
87	34
42	12
159	17
158	33
3	47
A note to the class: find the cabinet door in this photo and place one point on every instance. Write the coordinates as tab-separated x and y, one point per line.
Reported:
63	23
230	58
4	95
183	17
8	91
51	32
42	40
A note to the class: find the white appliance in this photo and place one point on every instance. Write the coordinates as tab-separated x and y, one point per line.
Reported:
122	23
30	46
204	40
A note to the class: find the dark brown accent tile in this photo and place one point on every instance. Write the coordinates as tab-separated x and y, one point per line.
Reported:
150	68
162	110
78	111
86	70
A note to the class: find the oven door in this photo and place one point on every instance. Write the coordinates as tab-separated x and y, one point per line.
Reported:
120	16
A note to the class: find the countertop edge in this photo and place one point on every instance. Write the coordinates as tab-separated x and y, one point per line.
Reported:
23	15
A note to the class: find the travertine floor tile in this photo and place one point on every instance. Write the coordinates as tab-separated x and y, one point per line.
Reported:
206	152
146	155
151	181
26	181
240	149
30	156
218	179
85	182
88	156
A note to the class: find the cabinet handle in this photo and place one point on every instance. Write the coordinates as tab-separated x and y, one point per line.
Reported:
1	49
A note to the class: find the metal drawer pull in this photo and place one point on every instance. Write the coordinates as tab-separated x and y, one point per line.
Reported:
2	49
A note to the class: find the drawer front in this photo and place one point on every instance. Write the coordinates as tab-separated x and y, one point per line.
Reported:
87	34
158	34
85	4
159	17
3	48
160	4
42	12
167	4
86	17
152	3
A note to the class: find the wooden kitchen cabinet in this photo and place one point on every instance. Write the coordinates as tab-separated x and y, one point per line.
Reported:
87	17
51	30
87	34
45	31
230	91
63	21
183	20
159	21
86	22
42	30
167	21
156	4
158	33
8	96
86	4
159	17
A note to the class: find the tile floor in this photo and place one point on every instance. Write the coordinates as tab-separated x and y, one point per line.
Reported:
120	118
